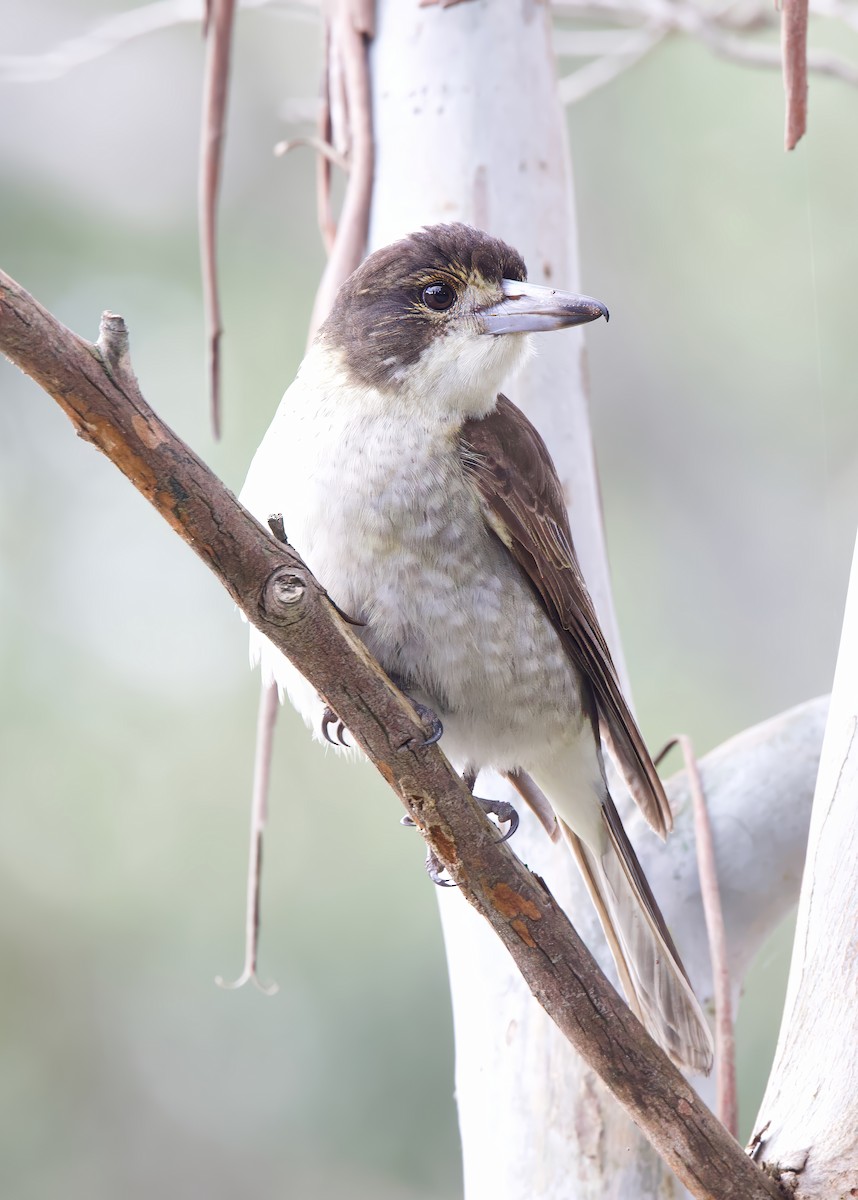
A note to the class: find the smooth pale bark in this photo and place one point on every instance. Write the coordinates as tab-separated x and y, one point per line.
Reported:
468	127
807	1129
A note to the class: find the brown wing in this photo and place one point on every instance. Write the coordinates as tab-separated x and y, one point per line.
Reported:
523	504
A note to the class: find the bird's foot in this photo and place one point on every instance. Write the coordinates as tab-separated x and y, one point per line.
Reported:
501	809
329	717
504	812
436	870
430	719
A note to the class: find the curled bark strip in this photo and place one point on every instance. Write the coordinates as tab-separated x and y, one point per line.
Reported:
217	25
725	1038
794	49
553	960
258	820
325	149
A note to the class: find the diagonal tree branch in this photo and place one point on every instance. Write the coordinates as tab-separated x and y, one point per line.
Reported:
96	388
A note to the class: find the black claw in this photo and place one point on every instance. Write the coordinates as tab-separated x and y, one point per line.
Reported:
328	718
435	870
513	825
435	735
431	719
406	820
504	812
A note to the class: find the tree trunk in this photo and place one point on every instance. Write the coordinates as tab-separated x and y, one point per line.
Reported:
468	127
807	1130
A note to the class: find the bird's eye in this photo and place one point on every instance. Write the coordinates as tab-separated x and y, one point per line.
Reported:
438	296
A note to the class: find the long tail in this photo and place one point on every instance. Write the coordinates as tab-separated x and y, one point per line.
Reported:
649	966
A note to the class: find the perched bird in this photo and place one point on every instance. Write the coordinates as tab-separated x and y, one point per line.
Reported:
428	506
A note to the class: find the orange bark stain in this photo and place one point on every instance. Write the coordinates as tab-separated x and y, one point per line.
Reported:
446	845
510	903
148	431
523	932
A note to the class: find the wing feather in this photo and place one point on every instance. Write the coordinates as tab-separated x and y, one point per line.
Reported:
522	502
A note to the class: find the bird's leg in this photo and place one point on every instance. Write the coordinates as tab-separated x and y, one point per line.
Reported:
436	870
501	809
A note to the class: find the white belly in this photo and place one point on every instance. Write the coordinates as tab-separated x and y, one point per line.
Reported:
382	513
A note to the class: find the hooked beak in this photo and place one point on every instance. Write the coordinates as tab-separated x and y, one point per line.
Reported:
529	308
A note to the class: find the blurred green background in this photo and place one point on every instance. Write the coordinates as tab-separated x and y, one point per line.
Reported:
724	405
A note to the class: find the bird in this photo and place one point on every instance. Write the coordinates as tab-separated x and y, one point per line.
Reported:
427	505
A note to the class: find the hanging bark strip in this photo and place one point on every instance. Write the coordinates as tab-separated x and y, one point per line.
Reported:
348	30
269	704
347	112
217	28
96	388
794	54
727	1103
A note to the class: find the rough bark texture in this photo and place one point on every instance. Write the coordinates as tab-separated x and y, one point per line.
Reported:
96	388
807	1130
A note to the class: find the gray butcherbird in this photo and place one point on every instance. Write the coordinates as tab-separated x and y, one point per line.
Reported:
428	506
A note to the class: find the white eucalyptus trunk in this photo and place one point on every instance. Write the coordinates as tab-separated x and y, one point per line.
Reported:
808	1122
468	127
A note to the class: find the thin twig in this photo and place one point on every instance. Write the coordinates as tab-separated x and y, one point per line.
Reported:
794	47
603	70
122	28
714	29
727	1105
218	25
590	43
314	143
666	19
769	56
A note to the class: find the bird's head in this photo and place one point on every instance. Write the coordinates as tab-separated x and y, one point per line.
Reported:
445	313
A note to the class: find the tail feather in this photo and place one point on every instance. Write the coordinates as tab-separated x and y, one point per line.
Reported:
649	966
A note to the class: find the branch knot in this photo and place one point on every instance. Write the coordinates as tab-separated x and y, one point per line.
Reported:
284	596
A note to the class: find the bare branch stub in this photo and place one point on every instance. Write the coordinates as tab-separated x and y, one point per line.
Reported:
556	965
